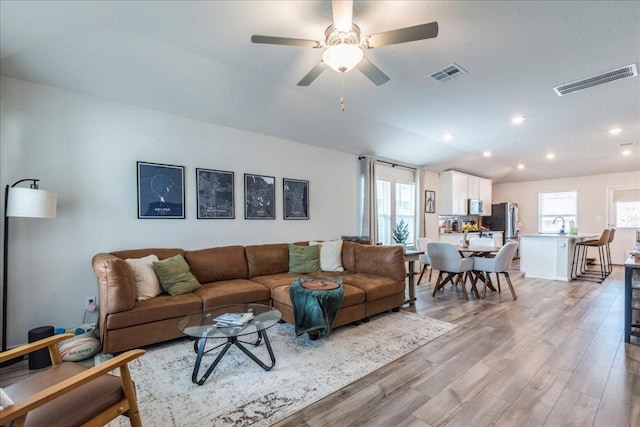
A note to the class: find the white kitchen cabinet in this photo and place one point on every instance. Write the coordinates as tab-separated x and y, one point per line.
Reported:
453	193
456	238
473	187
485	195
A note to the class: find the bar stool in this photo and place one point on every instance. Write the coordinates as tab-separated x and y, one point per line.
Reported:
579	269
612	233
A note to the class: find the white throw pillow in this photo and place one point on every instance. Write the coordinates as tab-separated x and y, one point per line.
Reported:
147	283
330	255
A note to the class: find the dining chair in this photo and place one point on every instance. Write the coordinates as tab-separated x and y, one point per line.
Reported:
69	393
498	265
612	233
421	243
447	260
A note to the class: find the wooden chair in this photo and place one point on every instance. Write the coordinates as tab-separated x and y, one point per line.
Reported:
424	258
499	265
69	393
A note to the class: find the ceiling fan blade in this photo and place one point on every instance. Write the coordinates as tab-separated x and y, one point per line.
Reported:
342	14
285	41
403	35
311	75
372	72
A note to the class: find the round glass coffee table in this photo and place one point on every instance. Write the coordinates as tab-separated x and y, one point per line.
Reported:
202	326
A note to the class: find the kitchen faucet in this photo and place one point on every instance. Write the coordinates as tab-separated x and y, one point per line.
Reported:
561	228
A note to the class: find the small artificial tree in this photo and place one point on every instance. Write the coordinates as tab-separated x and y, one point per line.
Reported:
401	232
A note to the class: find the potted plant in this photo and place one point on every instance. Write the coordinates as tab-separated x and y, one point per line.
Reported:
400	232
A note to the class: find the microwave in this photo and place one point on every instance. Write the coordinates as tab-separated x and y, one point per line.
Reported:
475	207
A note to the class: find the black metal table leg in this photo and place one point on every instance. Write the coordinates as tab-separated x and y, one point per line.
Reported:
262	335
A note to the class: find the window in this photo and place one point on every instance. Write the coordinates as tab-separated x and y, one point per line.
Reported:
626	208
396	200
560	208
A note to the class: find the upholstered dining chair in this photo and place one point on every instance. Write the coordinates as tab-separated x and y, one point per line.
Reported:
498	265
421	242
447	260
69	393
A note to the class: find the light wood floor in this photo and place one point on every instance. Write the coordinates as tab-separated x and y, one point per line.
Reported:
554	357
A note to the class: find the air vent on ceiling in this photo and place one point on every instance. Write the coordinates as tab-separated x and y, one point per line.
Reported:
609	76
450	72
626	144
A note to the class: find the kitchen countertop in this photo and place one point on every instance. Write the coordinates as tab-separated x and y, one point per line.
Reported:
556	235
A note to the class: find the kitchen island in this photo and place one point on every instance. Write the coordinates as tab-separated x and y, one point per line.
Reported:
549	256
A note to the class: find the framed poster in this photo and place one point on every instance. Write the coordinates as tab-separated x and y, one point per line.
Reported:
296	198
215	194
259	197
160	191
429	201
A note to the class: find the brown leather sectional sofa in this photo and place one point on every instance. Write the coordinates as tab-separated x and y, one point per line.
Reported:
374	281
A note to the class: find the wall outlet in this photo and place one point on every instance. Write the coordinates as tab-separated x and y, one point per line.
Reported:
90	301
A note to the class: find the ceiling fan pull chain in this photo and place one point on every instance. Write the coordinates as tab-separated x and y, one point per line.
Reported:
342	87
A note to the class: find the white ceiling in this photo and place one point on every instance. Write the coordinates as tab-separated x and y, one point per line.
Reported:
195	59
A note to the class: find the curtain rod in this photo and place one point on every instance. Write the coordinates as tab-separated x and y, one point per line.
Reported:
395	165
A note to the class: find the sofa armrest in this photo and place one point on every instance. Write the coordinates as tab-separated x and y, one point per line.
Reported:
386	261
116	286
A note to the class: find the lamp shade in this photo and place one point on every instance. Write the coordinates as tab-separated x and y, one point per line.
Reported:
342	57
31	203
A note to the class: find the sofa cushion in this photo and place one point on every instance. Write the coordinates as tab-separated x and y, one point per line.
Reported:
375	286
274	280
214	264
155	309
267	259
161	253
304	259
385	261
352	295
147	283
349	255
175	276
330	255
238	291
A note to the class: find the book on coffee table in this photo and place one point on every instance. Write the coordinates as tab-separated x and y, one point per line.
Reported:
233	319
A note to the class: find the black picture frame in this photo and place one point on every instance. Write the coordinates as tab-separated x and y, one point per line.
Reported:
429	201
160	191
215	194
259	196
295	198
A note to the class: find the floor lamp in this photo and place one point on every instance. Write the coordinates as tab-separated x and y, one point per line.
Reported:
27	203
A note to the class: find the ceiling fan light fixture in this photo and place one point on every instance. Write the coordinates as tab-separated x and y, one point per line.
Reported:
342	57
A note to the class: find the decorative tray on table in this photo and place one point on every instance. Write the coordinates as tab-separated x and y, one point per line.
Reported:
320	285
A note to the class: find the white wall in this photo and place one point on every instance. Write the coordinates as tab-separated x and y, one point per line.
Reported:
86	150
592	204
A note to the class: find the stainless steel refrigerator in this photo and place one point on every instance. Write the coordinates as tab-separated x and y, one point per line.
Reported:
504	216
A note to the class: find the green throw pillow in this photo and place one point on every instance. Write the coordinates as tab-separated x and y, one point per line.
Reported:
175	276
304	259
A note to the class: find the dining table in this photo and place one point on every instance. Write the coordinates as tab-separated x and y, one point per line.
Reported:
411	256
479	251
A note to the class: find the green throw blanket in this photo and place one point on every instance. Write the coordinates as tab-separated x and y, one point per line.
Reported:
315	310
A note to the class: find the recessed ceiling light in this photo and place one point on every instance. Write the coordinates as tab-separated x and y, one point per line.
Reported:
551	156
520	166
517	120
615	131
487	154
626	152
447	136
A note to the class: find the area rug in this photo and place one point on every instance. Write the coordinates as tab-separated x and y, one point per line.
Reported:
240	393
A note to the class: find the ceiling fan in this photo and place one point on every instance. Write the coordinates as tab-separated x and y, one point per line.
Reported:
343	44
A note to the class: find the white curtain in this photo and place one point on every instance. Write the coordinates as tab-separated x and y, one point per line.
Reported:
369	222
421	186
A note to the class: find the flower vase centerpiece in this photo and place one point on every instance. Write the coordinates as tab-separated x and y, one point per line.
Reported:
464	242
400	233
